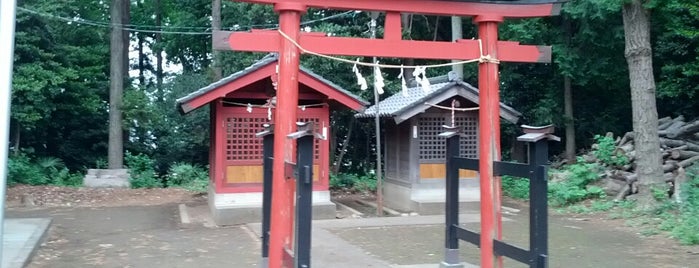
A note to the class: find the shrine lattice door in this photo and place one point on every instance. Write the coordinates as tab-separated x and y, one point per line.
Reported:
432	148
242	150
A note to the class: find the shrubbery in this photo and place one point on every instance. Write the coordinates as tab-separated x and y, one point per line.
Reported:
607	153
183	175
23	169
684	223
577	186
188	176
142	171
574	188
359	183
678	220
515	187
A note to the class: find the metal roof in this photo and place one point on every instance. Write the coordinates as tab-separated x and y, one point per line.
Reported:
399	104
268	59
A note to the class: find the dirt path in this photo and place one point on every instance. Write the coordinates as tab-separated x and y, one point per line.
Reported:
584	241
145	236
104	229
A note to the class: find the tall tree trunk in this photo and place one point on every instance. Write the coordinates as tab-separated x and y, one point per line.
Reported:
159	50
570	119
18	131
406	20
216	26
568	103
116	90
457	33
141	61
343	150
126	19
645	115
140	40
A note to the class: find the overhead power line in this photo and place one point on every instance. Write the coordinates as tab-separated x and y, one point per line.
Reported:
159	29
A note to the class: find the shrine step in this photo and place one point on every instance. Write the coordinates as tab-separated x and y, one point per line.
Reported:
240	208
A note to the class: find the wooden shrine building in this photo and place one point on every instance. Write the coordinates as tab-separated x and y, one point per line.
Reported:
414	156
240	105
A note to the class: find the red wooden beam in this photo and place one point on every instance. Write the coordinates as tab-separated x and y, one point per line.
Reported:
263	96
223	90
442	8
268	41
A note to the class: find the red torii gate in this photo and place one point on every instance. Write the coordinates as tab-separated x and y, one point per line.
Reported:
486	15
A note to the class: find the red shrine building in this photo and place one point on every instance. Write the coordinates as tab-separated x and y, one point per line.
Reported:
240	105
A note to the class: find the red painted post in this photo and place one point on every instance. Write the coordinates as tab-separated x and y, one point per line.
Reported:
489	134
285	123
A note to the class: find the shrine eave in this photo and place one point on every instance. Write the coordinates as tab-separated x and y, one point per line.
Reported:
263	69
403	107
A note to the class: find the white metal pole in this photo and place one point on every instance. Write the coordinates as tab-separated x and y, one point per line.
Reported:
7	51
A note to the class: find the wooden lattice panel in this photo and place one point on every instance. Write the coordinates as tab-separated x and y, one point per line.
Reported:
431	147
243	145
241	142
468	144
317	128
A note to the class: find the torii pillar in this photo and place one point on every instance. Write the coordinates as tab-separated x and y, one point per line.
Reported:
486	15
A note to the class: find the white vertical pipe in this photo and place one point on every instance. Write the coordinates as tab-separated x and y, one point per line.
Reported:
7	51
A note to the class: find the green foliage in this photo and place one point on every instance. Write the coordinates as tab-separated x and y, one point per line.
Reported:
42	171
60	81
659	193
576	187
686	222
606	152
676	26
679	220
145	179
59	100
188	176
353	182
20	169
515	187
142	171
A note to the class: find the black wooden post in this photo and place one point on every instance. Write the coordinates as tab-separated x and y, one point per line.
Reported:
451	251
267	148
304	194
538	139
538	209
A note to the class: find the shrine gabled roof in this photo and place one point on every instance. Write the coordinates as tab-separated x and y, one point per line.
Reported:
402	107
186	103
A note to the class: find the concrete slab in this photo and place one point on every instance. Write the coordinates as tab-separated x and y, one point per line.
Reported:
21	238
328	250
107	178
430	265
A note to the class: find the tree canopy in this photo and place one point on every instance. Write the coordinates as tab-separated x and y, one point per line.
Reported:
60	94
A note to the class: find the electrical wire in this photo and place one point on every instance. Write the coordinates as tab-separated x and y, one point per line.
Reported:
138	28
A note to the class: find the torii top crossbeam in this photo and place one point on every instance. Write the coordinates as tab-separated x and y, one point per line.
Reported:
289	39
524	8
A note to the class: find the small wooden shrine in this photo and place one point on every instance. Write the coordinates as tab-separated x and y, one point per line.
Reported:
415	154
240	105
